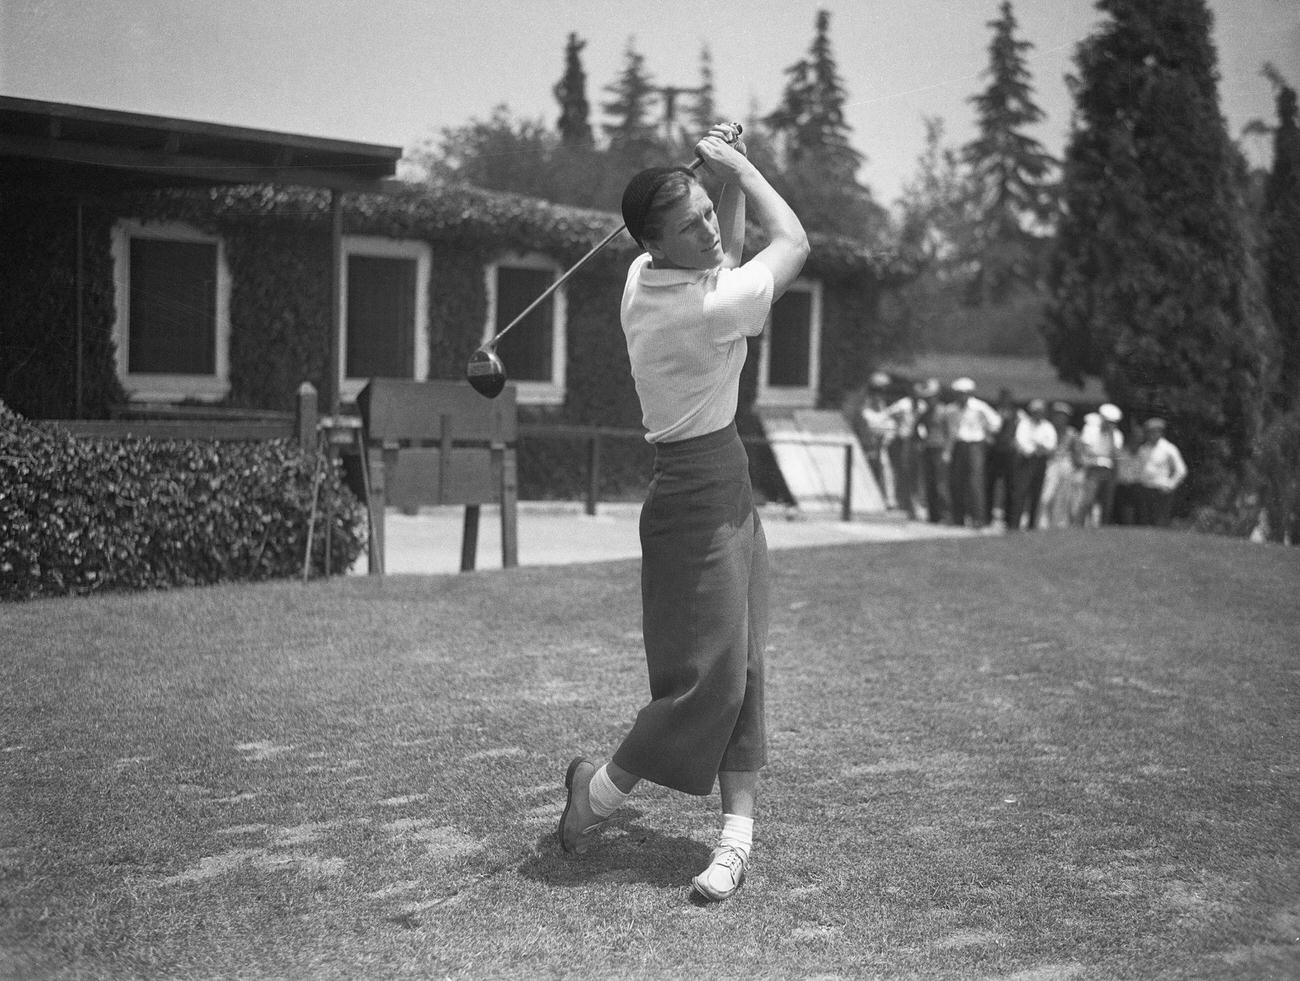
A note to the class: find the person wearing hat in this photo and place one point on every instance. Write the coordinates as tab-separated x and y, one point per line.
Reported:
880	433
905	449
1035	443
1101	441
972	424
1161	470
932	438
1062	476
689	307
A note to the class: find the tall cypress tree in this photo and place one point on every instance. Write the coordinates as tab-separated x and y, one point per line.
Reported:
1010	171
1152	278
1282	256
632	133
571	93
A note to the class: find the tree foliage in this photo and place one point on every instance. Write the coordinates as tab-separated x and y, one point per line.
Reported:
571	93
1153	285
1281	223
632	133
1010	174
816	162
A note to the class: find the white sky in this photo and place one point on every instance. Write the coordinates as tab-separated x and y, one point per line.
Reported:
398	71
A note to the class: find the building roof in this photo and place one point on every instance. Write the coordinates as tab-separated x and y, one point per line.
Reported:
70	149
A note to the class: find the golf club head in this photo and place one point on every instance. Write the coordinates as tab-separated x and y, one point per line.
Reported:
486	372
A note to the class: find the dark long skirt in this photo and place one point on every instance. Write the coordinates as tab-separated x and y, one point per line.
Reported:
704	589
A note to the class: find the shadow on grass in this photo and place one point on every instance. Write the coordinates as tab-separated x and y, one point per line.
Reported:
624	852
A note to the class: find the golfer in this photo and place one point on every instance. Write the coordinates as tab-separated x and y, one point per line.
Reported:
688	308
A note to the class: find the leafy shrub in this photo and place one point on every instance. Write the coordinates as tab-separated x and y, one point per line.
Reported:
79	515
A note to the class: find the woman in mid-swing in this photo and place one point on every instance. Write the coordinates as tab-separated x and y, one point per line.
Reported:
688	308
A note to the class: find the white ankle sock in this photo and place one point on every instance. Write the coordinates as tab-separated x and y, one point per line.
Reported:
604	794
737	832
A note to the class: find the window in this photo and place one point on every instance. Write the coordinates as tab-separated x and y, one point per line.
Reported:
534	350
790	365
172	326
385	300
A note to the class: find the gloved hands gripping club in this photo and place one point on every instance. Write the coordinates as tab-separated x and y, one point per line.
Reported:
485	371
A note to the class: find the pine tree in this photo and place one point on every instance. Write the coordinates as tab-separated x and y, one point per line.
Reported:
632	133
810	122
1153	286
817	163
571	93
1010	171
704	110
1282	256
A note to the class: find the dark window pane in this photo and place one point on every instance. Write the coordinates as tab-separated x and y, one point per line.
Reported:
526	350
381	317
173	308
789	343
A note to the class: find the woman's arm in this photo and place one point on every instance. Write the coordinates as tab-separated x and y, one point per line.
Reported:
787	249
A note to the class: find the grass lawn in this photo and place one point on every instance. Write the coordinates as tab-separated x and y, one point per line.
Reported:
1036	757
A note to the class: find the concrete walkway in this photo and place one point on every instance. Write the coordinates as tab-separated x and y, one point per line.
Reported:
560	533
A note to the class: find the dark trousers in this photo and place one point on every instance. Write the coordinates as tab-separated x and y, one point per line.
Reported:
966	484
1155	507
934	475
1028	491
704	595
904	458
1000	482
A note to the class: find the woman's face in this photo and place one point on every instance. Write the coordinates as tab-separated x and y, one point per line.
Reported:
690	238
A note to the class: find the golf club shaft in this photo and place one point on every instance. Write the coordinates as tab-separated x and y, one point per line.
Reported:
695	164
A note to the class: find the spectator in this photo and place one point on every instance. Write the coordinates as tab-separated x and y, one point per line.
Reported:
972	424
880	432
1101	441
1128	479
1000	470
1035	440
1162	470
1064	470
904	450
932	434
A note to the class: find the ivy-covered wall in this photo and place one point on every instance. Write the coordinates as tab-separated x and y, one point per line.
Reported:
38	309
277	245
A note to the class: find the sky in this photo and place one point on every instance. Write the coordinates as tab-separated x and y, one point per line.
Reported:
397	72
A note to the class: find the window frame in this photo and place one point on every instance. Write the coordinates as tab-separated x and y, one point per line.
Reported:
379	247
792	396
550	393
165	386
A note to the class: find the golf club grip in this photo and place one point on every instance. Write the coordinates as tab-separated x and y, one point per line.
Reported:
697	162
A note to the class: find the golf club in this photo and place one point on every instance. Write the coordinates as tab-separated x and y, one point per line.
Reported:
485	371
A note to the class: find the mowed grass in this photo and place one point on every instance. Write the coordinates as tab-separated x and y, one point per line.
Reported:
1036	757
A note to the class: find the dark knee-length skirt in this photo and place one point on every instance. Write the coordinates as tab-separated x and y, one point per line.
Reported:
704	589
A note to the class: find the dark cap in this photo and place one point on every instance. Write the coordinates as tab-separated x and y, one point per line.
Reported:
639	196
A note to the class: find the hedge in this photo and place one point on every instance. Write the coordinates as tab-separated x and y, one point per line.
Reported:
82	515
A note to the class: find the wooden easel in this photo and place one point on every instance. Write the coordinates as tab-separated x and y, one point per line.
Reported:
436	443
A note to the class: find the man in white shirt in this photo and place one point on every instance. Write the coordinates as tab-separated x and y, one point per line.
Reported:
972	423
1035	443
1160	471
1101	441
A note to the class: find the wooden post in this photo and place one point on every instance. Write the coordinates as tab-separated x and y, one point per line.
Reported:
334	370
593	472
307	415
509	508
846	510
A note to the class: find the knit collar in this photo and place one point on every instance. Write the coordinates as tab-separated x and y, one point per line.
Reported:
650	276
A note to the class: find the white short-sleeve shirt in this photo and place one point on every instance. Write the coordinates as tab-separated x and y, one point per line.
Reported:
686	333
